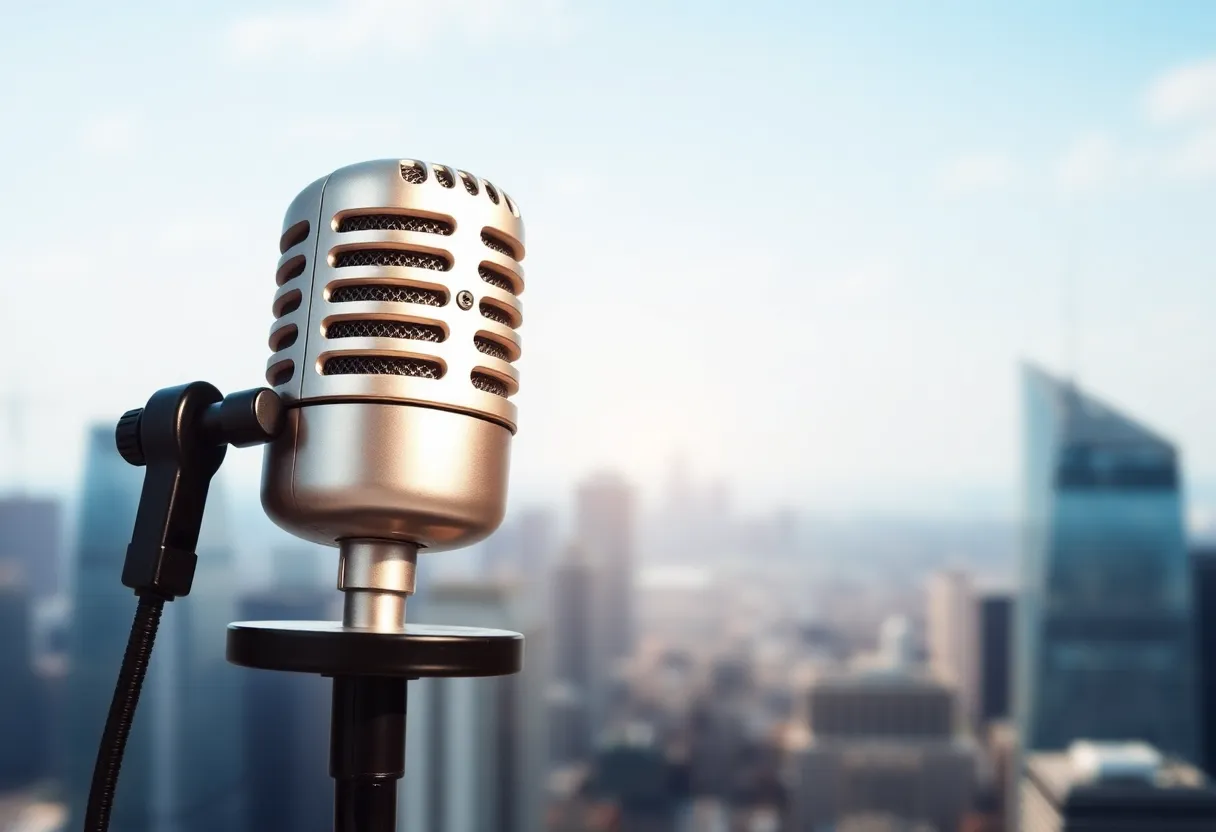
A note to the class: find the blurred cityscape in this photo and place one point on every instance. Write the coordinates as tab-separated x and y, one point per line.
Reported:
689	668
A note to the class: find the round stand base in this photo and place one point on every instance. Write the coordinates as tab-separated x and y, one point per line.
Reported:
329	649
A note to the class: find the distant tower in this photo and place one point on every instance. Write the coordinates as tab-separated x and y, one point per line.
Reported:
573	671
102	611
605	525
1104	613
952	621
478	747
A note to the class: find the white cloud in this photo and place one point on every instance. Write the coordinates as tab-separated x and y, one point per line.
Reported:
110	134
977	172
1089	163
1184	94
407	27
1195	158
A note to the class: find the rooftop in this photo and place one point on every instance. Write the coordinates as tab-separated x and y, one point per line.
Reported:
1096	778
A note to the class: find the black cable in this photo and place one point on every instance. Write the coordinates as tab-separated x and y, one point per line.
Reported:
122	713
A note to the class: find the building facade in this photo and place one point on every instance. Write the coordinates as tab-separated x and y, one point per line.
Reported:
286	722
476	749
995	658
1122	787
1104	618
30	531
879	742
951	634
102	610
1203	570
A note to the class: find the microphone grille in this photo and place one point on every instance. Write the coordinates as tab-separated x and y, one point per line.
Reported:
397	285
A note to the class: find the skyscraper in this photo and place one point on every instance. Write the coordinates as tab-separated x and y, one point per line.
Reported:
30	533
1104	647
879	741
605	524
476	748
286	729
995	657
951	622
1128	787
24	747
102	612
200	735
181	770
1203	563
572	660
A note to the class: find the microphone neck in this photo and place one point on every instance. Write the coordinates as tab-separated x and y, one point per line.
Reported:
376	577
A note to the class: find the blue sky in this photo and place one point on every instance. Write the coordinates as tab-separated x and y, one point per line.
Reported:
805	244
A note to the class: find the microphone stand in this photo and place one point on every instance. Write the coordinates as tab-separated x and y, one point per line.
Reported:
181	436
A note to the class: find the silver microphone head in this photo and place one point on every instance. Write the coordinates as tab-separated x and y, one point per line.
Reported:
393	343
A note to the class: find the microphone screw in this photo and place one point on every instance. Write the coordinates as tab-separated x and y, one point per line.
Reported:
464	299
127	438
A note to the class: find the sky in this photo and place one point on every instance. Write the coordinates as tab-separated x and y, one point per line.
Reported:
803	245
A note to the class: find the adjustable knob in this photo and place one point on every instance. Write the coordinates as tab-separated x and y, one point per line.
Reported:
126	437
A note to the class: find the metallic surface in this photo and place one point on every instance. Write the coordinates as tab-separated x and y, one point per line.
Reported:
378	188
394	457
377	578
387	472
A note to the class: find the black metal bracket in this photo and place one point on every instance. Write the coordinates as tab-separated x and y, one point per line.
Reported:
181	436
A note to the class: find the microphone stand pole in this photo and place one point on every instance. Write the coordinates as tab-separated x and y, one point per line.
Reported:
181	437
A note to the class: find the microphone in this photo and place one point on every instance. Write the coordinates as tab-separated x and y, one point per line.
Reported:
393	349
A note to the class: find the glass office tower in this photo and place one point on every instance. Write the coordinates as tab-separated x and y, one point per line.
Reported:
1104	607
102	612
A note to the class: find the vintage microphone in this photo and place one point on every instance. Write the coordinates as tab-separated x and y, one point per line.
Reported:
388	428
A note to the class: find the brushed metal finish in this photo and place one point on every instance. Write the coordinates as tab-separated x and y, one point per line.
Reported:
385	565
378	187
387	472
383	612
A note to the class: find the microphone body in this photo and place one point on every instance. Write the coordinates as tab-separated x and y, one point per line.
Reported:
393	344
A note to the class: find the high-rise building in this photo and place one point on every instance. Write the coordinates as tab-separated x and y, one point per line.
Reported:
573	678
605	521
633	777
476	753
884	740
1128	787
995	657
30	533
101	621
951	630
1203	563
286	729
181	770
1104	610
198	741
25	747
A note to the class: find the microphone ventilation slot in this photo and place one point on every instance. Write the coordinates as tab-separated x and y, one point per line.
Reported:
380	365
293	236
496	315
289	303
491	348
395	222
290	270
495	279
413	173
495	244
391	257
489	384
385	329
470	183
281	373
443	175
387	293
